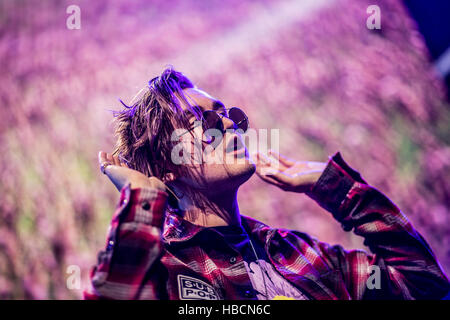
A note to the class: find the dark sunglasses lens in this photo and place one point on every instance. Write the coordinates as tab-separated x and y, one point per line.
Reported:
211	120
239	118
212	128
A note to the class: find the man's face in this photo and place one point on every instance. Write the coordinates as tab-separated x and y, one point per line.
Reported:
224	166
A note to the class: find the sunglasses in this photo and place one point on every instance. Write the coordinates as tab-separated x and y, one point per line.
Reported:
212	121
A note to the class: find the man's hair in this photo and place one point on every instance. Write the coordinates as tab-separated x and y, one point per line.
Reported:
143	130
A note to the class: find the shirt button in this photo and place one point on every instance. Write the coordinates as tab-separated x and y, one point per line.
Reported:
233	260
146	206
110	245
249	294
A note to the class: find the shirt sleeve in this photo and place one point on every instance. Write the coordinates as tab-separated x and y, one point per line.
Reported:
408	267
132	248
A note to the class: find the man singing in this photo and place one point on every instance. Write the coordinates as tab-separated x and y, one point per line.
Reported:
177	232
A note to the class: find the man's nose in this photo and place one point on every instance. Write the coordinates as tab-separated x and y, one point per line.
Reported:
228	123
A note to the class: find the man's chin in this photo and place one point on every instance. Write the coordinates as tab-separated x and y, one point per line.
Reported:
244	172
235	176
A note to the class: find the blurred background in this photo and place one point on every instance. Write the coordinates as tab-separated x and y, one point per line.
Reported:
310	68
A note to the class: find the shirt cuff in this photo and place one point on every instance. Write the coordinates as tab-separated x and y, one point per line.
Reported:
143	205
333	185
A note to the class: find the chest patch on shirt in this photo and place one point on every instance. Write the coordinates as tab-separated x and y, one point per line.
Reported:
193	289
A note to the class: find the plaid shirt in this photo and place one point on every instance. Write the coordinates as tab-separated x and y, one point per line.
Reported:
149	255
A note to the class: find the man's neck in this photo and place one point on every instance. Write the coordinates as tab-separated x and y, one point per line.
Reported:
221	210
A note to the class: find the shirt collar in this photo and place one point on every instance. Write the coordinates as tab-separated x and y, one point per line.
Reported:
177	230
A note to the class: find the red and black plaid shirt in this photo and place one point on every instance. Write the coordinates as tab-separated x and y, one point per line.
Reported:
148	255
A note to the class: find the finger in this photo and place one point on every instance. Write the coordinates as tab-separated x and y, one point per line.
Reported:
272	162
262	158
299	183
101	157
268	161
281	177
104	161
268	169
317	165
113	159
269	179
123	162
259	161
262	169
253	156
282	159
116	161
265	169
109	158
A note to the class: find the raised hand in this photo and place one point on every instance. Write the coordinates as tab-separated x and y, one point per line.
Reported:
287	174
120	175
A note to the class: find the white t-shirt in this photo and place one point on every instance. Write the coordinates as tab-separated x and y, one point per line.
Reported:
263	276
